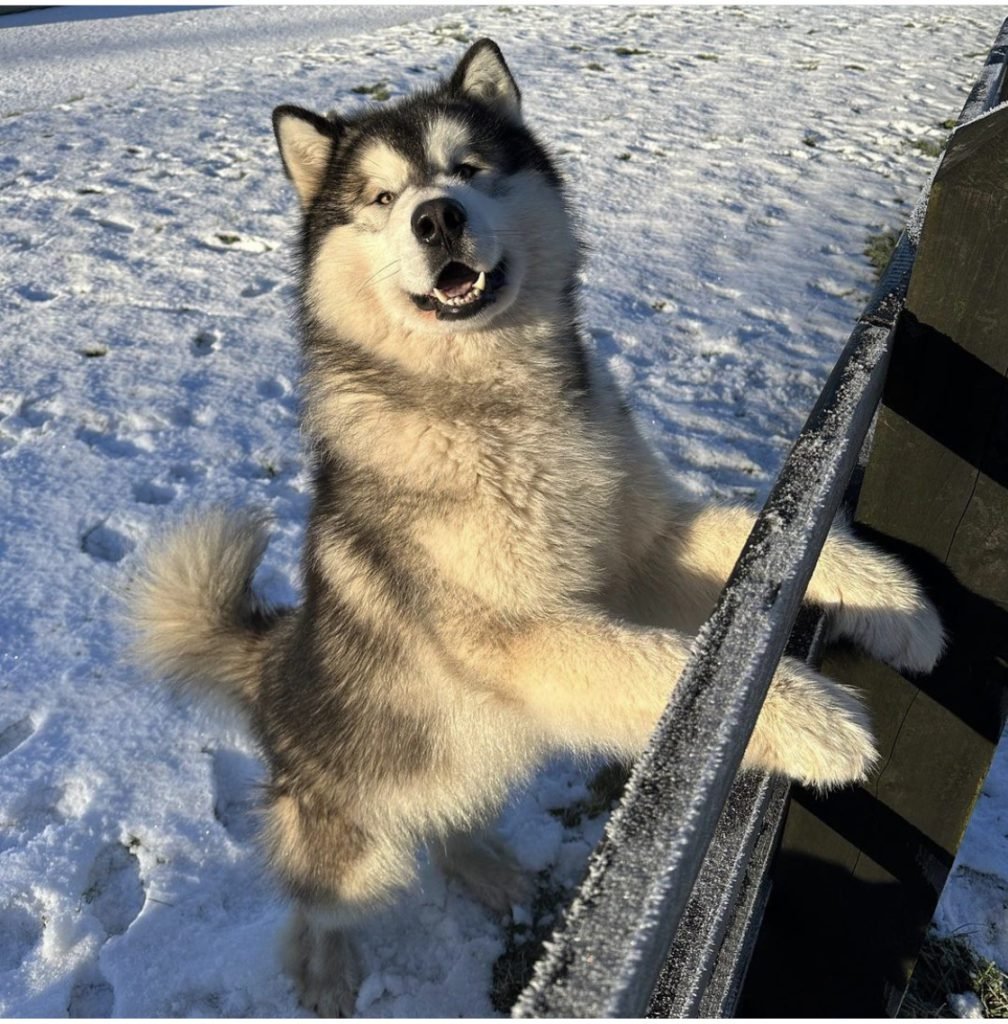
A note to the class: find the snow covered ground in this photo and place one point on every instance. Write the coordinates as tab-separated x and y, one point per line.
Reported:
728	166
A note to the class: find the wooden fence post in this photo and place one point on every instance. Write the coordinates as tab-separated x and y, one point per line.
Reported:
859	873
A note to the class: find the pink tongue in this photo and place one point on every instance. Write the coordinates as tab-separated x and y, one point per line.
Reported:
456	279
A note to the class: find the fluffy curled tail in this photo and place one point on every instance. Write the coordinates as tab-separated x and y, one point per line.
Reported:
192	608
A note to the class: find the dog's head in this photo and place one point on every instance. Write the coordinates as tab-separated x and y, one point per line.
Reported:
431	217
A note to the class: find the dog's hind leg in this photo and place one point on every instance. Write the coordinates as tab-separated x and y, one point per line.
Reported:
339	874
868	596
485	866
320	956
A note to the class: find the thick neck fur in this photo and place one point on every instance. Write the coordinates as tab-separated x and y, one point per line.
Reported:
383	404
475	476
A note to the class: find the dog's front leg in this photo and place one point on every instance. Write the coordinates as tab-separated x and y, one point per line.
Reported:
590	683
869	596
874	600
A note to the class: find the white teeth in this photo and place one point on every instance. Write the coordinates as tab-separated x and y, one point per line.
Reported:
475	292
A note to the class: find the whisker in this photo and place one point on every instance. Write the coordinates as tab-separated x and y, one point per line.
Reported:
386	277
380	270
375	278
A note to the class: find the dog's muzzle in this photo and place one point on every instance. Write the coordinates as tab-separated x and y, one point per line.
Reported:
460	290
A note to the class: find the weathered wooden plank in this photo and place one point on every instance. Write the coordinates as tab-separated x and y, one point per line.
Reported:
724	903
721	994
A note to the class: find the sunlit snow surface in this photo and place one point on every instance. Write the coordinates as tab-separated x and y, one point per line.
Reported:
728	166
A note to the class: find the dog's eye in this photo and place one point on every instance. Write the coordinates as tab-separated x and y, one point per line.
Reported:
384	199
465	171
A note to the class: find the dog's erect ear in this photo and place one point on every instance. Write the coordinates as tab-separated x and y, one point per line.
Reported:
482	75
306	141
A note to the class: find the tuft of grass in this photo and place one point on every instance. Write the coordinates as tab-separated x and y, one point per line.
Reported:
628	51
523	945
204	342
948	124
595	66
929	147
378	91
948	966
706	56
93	351
451	30
227	239
879	248
810	140
623	156
606	787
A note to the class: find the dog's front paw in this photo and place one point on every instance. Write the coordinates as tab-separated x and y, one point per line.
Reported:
812	730
905	632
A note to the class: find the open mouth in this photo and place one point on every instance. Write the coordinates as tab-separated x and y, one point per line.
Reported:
461	292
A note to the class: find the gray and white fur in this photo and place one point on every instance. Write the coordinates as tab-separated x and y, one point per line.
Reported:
496	566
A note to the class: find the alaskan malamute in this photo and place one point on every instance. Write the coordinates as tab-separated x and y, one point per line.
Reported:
496	565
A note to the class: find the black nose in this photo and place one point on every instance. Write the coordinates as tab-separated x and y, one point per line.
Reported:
439	221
